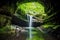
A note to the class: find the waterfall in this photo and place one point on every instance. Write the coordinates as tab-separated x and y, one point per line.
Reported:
30	20
30	27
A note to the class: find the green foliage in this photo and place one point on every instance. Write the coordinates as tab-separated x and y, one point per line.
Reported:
2	20
5	23
32	8
5	29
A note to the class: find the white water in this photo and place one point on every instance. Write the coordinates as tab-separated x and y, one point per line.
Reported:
30	27
30	20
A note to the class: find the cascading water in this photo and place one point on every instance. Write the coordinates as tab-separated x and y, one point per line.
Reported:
30	27
30	20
